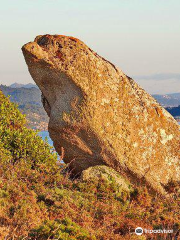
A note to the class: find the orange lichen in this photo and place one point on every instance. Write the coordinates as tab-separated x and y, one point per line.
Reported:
59	55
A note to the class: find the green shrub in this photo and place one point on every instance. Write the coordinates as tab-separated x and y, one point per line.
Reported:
64	229
18	141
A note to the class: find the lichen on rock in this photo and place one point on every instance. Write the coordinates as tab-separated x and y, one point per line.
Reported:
107	174
99	115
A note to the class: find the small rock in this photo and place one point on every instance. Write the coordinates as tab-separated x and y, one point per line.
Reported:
107	174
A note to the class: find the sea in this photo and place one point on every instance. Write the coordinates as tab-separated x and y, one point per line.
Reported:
44	135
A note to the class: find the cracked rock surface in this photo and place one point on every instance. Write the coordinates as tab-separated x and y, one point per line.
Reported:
100	116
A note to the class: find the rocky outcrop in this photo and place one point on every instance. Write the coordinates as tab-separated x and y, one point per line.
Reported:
100	116
107	174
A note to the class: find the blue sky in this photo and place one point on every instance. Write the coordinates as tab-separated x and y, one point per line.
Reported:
142	37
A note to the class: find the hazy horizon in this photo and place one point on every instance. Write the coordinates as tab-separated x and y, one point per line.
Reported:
141	38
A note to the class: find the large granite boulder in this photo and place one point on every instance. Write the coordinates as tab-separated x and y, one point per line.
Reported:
100	116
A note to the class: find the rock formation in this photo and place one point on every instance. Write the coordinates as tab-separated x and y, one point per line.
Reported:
100	116
107	174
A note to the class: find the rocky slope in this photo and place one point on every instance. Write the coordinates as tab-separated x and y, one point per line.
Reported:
100	116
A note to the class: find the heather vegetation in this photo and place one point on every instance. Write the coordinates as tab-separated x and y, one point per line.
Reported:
38	200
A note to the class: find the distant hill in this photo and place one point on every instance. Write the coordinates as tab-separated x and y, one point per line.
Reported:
20	85
168	100
29	103
23	95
